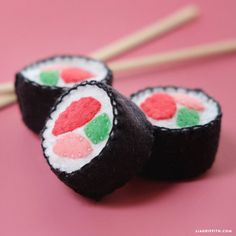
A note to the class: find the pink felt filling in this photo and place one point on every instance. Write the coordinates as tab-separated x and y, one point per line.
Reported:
75	75
73	146
188	101
76	115
159	106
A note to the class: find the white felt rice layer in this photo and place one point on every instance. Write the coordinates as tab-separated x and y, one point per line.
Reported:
94	67
66	164
208	114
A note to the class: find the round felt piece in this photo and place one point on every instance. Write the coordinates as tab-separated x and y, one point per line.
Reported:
188	101
159	106
49	77
75	75
187	117
98	129
72	146
76	115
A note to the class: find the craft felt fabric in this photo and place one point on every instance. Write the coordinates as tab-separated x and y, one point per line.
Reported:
76	115
188	149
127	149
35	100
183	153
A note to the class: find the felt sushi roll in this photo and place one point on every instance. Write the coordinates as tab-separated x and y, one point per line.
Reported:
186	125
95	139
40	84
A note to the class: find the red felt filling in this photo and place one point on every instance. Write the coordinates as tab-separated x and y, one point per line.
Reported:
159	106
75	75
76	115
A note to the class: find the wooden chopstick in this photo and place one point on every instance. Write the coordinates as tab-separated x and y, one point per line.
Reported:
186	54
7	99
7	87
155	30
119	47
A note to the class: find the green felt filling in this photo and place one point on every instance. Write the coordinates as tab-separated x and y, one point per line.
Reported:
50	77
98	129
187	117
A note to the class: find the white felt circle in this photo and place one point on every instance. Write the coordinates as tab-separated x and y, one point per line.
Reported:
94	67
66	164
208	114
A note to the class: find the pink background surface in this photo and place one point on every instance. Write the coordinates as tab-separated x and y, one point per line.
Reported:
34	202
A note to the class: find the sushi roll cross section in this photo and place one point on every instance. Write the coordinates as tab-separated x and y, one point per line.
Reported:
187	130
95	139
40	84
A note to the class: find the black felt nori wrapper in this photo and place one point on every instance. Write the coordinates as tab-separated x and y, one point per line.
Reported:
183	153
36	100
127	149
